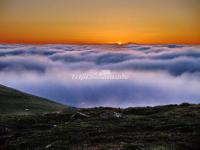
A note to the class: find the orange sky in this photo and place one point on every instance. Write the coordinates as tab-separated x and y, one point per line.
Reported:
100	21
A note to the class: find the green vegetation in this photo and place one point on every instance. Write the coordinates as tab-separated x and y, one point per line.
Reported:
171	127
16	102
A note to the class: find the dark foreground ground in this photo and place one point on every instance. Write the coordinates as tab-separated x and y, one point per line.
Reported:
169	127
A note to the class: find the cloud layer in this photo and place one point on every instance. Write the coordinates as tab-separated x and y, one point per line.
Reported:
157	74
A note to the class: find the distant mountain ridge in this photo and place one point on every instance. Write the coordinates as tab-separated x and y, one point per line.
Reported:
16	102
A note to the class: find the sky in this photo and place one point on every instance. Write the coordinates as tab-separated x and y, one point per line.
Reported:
104	75
100	21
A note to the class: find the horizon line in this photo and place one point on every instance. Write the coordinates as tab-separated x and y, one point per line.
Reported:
95	43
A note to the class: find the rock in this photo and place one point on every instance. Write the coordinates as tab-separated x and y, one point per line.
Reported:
54	125
110	115
79	115
117	115
48	146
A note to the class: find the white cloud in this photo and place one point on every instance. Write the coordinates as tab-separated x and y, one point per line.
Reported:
159	74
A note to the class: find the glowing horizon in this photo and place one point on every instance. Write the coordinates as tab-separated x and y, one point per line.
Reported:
95	21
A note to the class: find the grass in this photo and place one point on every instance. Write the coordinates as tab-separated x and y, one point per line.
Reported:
172	127
16	102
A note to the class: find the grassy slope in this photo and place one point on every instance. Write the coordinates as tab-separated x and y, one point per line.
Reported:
16	102
172	127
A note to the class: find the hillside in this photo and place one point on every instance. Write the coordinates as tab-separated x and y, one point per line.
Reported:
16	102
171	127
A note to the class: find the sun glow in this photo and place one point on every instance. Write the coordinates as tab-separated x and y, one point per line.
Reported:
119	43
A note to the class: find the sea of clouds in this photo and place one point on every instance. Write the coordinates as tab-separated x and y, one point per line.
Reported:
155	74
